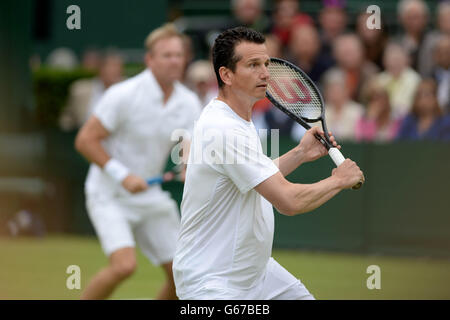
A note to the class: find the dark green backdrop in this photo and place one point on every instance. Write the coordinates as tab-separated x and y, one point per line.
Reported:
401	209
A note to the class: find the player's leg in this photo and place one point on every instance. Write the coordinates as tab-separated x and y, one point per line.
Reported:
279	284
122	264
116	237
156	236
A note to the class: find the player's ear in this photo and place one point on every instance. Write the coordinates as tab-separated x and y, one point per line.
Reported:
148	59
226	75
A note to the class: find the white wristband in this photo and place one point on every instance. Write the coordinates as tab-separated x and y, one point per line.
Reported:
116	170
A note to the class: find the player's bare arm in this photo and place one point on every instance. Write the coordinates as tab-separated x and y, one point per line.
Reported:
309	149
89	143
292	198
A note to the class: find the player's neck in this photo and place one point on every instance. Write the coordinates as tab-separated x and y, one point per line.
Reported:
166	88
241	106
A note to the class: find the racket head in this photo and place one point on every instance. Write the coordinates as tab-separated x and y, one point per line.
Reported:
292	91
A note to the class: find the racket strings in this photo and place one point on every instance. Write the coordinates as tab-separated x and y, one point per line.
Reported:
294	91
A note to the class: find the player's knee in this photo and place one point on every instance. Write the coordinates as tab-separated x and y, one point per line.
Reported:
124	269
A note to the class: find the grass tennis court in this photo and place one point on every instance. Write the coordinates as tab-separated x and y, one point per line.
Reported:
36	269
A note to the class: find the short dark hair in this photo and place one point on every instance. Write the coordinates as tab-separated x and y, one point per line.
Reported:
223	54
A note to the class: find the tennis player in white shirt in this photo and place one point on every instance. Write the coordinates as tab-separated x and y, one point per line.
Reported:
227	222
127	140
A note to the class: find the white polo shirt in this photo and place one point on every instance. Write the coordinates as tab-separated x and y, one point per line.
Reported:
140	127
227	227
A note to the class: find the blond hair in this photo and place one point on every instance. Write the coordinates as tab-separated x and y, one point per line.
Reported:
168	30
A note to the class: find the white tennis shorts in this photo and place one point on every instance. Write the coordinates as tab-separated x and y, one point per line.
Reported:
276	284
119	225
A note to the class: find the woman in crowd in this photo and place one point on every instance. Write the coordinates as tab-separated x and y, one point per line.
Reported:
425	120
377	123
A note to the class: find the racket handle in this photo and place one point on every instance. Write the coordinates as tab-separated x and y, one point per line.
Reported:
338	158
155	180
336	155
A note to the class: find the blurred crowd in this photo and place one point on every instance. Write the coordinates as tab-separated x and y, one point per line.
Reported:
378	85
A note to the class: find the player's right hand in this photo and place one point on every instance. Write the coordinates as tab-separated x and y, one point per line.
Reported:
134	184
348	173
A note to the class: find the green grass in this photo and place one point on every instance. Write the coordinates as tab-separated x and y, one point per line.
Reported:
36	269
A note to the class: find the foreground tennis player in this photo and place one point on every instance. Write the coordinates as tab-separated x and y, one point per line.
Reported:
128	139
225	243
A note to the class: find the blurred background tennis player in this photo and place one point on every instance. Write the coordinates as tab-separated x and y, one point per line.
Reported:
128	139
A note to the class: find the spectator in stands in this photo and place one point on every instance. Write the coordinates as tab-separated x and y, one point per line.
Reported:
441	72
62	58
349	54
286	15
201	79
305	51
250	13
413	16
91	60
333	23
85	93
373	40
425	122
399	79
426	61
273	46
377	123
341	113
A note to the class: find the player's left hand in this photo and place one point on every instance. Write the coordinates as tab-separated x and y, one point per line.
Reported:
312	148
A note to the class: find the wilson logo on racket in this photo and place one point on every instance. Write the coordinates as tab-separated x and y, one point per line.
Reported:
293	87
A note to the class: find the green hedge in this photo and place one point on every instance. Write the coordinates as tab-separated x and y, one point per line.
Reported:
50	89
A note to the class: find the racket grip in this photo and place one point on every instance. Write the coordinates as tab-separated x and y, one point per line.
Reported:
336	155
155	180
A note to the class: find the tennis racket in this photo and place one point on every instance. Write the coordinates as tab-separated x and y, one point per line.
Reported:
171	175
294	93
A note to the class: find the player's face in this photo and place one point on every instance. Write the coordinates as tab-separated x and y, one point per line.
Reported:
251	75
166	60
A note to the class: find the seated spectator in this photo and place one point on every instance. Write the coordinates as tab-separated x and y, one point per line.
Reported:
399	79
425	122
85	93
349	54
201	79
250	13
377	123
91	60
341	113
286	15
305	49
441	72
413	16
426	61
273	46
333	23
62	58
373	40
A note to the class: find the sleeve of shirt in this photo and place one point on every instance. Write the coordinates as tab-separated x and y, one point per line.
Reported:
245	163
109	109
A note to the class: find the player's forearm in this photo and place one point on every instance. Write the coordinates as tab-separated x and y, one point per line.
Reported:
92	150
309	197
290	161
